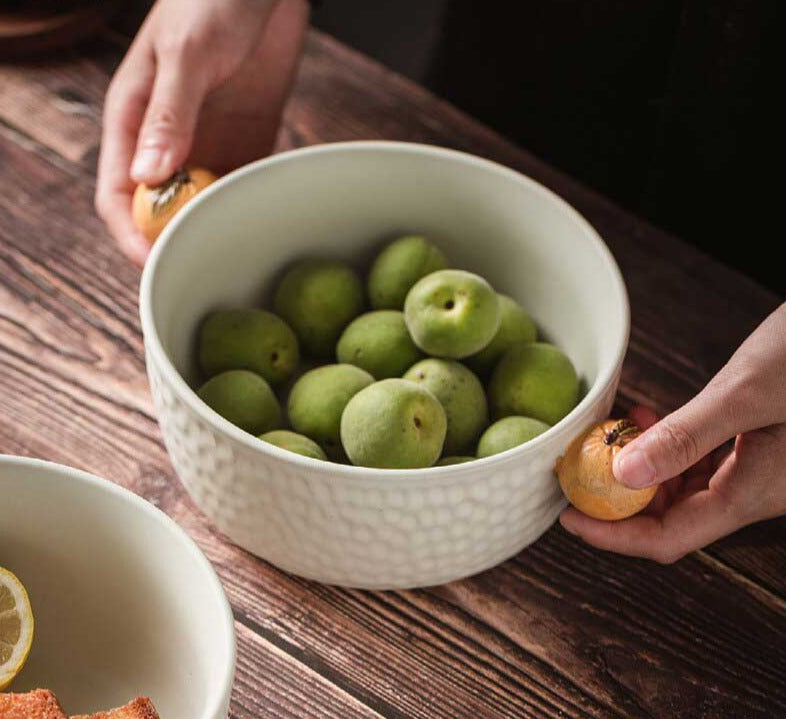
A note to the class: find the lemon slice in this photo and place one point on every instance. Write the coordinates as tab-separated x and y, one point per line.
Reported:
16	627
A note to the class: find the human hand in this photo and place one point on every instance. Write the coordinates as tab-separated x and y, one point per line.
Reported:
705	492
203	82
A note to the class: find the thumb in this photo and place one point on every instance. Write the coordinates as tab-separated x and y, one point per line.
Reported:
679	440
167	131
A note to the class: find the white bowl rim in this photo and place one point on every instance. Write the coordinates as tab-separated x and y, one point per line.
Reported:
214	703
578	416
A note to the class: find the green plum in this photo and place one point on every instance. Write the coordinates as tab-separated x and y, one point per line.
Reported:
317	400
379	343
399	266
243	398
449	461
251	339
515	326
535	380
452	313
393	423
294	442
319	298
509	432
461	395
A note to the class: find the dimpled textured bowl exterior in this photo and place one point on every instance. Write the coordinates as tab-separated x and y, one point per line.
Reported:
359	526
373	533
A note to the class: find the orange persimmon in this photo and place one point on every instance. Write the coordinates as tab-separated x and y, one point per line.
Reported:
586	477
153	207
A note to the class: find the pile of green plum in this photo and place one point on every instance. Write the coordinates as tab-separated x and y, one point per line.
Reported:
413	382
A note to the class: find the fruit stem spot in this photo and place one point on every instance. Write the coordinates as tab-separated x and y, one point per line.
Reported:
163	195
620	430
274	357
449	305
417	422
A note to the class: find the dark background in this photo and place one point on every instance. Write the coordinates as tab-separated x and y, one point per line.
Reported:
667	106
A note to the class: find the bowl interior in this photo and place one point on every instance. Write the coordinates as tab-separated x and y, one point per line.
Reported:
124	603
346	200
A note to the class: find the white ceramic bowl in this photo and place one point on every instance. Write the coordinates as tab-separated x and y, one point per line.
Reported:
124	602
353	525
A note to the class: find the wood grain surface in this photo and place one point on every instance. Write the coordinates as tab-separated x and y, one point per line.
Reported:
561	630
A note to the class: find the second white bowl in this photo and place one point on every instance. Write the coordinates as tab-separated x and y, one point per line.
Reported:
124	602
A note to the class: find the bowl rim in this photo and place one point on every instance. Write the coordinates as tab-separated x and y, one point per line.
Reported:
579	415
219	699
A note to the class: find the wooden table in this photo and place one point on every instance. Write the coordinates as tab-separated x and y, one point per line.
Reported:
561	630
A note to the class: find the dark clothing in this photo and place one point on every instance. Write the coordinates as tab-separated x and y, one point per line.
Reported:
664	105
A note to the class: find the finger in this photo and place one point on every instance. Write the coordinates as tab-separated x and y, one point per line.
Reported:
753	472
123	112
697	478
693	522
746	395
644	417
168	127
679	440
118	218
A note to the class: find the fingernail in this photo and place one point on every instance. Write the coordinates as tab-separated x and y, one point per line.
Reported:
147	162
634	469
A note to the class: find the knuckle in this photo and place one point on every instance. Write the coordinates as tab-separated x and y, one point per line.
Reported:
680	439
739	388
183	47
169	48
162	120
122	97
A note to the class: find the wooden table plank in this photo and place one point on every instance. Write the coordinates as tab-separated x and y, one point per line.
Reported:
560	630
271	684
65	121
511	642
756	555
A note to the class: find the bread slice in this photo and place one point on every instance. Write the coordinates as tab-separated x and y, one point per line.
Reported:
38	704
140	708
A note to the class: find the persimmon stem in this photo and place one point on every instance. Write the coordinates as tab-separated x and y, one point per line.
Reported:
164	194
620	430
